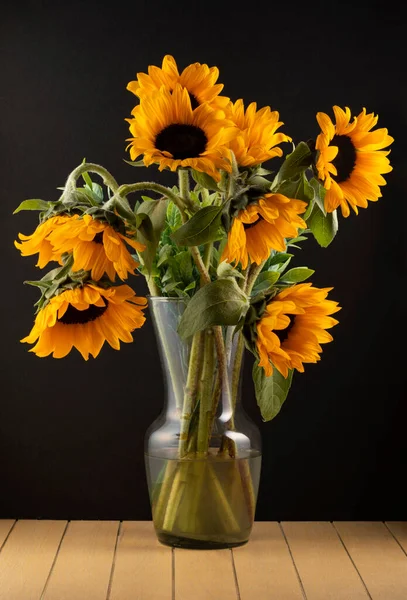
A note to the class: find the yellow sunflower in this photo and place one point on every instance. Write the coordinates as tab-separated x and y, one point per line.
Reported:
257	139
293	326
96	247
351	159
199	80
262	227
167	131
85	318
38	243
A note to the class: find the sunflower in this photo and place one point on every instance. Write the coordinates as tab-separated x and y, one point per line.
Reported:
293	326
168	132
262	227
351	159
85	318
96	247
38	241
199	80
257	139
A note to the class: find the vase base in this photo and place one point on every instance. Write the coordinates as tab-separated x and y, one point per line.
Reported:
176	541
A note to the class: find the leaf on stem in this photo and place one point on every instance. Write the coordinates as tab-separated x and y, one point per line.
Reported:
202	228
323	227
150	229
221	302
271	392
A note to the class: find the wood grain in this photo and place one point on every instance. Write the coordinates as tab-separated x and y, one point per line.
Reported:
27	557
5	527
378	558
84	562
264	568
204	575
143	566
322	562
399	530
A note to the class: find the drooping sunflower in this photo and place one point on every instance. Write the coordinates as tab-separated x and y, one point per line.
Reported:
262	227
257	140
38	242
96	247
167	131
293	326
199	80
85	318
351	159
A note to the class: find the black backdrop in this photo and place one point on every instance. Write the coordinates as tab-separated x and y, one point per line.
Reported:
71	432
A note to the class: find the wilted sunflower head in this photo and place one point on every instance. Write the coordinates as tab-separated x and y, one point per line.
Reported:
257	140
263	226
351	159
293	326
199	80
96	247
85	318
167	131
38	242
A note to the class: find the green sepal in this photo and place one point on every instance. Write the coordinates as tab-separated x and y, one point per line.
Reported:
135	163
34	204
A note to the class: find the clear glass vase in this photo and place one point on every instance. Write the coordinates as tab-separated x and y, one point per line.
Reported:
203	453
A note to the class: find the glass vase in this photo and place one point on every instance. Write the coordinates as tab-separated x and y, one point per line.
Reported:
203	453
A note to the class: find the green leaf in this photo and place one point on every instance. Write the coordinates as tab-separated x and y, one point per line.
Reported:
295	163
225	270
319	194
33	204
296	275
135	163
202	228
265	281
156	211
323	227
173	216
86	178
279	258
204	180
221	302
271	392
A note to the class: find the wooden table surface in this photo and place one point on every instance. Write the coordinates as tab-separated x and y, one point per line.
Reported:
112	560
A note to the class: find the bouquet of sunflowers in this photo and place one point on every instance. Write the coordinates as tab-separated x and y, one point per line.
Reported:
221	241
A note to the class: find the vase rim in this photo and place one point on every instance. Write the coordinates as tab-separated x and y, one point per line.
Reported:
164	299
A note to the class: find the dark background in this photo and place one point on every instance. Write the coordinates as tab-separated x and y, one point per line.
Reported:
71	432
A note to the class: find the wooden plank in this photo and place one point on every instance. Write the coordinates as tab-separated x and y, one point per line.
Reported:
324	567
264	568
204	575
399	530
143	566
378	557
5	526
84	562
27	557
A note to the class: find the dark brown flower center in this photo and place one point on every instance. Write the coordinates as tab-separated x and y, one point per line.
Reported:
98	239
249	225
182	141
73	316
283	334
345	160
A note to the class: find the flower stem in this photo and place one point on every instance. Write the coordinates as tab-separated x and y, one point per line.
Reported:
205	404
107	177
190	390
130	188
